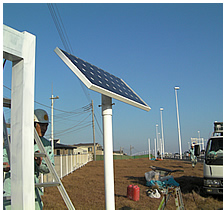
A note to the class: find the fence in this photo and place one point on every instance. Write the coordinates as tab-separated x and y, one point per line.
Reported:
66	164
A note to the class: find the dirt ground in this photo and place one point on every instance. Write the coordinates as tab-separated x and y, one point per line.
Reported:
85	186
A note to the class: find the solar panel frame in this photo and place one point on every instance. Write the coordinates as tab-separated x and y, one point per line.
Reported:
101	81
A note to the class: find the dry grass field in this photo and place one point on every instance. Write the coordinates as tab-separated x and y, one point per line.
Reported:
85	186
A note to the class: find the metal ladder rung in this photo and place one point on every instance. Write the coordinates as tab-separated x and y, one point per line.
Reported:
6	198
47	184
37	154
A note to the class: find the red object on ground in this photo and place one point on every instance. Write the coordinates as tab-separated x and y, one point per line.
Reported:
129	191
133	192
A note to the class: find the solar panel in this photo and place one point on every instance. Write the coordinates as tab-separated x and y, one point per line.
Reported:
101	81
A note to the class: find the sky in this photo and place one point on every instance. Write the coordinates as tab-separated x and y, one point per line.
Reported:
152	47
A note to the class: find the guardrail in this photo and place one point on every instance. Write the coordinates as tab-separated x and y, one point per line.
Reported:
66	164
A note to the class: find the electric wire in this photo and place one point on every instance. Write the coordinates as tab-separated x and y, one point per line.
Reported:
58	26
98	124
73	126
69	44
63	36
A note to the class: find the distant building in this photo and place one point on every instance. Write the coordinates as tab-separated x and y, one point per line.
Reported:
89	147
119	152
63	149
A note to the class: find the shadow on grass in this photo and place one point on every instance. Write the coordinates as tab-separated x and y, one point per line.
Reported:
124	196
188	184
137	180
125	208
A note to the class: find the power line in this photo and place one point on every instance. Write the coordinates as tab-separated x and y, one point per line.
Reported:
58	26
64	29
63	36
98	124
69	130
77	111
74	125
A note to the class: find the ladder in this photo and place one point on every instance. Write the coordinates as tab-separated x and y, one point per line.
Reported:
178	198
57	182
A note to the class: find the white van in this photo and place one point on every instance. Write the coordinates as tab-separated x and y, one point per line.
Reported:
213	164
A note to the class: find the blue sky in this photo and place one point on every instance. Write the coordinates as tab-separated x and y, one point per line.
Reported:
152	47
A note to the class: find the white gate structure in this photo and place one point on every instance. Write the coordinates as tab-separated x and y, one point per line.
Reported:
19	48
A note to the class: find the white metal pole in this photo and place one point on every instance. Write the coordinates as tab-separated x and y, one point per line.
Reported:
108	152
161	110
157	137
155	148
52	124
149	149
178	123
161	148
61	165
199	139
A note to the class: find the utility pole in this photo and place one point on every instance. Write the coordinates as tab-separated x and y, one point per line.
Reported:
93	124
52	119
131	150
149	149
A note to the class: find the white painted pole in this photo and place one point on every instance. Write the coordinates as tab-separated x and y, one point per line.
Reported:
71	170
157	137
161	148
61	165
66	164
203	145
19	47
149	149
52	123
155	149
108	152
161	113
178	122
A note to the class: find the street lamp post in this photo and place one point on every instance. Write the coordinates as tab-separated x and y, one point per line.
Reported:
178	122
52	120
200	143
161	110
155	148
157	138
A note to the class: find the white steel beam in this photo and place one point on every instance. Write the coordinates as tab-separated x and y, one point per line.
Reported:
19	47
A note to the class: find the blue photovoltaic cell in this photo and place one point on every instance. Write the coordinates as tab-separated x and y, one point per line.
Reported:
103	79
